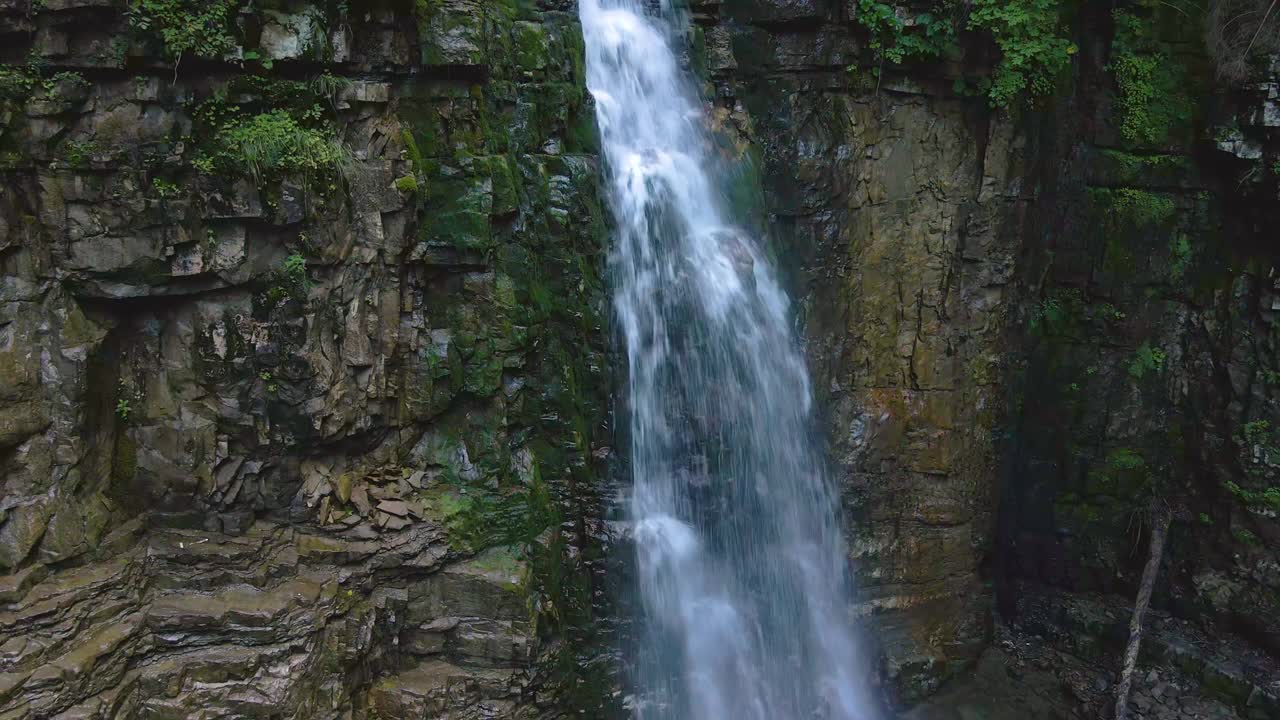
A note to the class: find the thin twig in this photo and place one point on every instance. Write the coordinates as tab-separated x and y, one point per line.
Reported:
1261	25
1175	8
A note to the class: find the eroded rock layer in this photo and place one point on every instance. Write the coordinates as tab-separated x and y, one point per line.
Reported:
302	360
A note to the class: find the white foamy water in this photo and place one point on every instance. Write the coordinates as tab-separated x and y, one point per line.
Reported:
742	575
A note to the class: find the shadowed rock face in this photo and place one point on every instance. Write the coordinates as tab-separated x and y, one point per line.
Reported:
1024	326
302	362
900	213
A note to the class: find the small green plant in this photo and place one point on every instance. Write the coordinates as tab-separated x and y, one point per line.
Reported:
1271	498
329	86
255	56
202	28
1126	459
1049	311
898	38
1152	86
1146	359
1256	432
295	268
1205	519
1131	167
1030	35
1055	313
123	408
267	378
1034	48
164	189
79	153
1142	208
16	82
1268	497
205	164
66	77
274	144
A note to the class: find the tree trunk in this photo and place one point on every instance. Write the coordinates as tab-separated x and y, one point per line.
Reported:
1160	517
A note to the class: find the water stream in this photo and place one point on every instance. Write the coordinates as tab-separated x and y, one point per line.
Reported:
742	575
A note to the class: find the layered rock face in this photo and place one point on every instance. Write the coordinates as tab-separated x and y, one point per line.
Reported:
904	205
1029	328
303	371
302	360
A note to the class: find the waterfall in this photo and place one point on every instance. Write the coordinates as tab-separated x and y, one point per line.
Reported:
741	566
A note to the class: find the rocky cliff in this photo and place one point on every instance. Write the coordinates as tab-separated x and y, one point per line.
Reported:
302	357
304	368
1033	325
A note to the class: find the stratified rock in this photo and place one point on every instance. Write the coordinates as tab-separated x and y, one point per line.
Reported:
219	356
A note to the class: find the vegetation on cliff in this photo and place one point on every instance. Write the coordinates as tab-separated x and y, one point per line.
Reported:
1033	47
1031	37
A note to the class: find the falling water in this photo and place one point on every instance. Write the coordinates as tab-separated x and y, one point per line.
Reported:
740	562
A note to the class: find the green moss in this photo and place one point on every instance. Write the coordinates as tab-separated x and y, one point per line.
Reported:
532	48
1141	208
503	560
1140	169
124	462
505	189
458	211
1179	256
407	184
1125	459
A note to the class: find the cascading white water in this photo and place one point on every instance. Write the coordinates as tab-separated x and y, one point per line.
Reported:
741	565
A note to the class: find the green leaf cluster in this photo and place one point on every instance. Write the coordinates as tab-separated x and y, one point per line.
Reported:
1138	208
1030	34
1266	498
899	38
1032	42
1146	359
271	145
295	268
202	28
1152	99
17	82
1179	256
